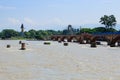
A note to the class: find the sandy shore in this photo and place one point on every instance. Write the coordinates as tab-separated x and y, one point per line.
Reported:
58	62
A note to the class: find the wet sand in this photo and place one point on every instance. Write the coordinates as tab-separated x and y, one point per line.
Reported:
58	62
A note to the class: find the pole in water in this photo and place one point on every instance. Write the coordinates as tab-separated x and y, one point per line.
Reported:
20	42
23	46
8	46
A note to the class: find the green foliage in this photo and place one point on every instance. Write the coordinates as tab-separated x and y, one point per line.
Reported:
17	38
86	30
102	29
8	33
40	34
65	32
108	21
27	34
99	29
32	33
46	34
111	30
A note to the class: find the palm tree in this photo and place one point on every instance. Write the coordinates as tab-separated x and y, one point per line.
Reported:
108	21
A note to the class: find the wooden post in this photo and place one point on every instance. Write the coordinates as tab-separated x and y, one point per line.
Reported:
23	46
119	44
20	42
112	45
8	46
93	44
65	44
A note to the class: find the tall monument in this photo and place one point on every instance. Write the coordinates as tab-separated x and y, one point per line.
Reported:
22	30
70	30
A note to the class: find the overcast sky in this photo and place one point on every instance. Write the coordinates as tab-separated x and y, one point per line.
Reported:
55	14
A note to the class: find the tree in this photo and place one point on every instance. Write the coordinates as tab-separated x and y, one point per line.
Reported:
27	34
65	32
85	30
108	21
32	33
103	30
99	29
8	33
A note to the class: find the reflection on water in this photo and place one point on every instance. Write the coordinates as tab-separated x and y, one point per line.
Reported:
58	62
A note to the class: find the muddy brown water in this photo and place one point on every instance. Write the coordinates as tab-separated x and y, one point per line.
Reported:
58	62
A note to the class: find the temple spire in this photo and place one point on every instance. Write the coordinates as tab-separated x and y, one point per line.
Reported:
22	30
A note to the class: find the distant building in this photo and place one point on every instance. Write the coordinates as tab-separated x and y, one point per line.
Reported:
70	30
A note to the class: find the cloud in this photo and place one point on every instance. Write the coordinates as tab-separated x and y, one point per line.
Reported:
57	20
53	21
7	7
25	20
39	24
14	21
29	21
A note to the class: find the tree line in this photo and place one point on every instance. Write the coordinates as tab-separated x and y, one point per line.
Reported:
31	34
108	21
46	34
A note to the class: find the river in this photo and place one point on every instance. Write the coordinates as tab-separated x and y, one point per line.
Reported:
58	62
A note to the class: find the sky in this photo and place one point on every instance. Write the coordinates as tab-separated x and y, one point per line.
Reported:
55	14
